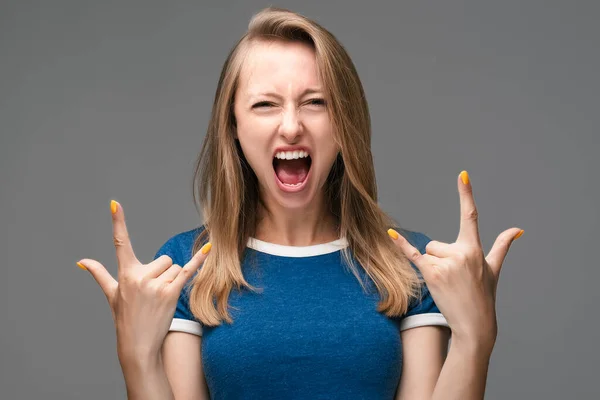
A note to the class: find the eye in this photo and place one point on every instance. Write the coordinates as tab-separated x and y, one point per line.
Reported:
262	104
317	102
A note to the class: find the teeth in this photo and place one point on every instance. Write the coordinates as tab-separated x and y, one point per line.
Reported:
289	155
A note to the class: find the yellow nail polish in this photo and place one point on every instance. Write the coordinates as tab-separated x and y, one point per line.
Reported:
114	206
80	265
519	235
464	175
206	248
393	234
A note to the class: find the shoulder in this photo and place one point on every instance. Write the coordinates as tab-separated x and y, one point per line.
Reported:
179	246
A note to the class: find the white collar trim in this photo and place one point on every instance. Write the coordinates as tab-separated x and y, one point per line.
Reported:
297	251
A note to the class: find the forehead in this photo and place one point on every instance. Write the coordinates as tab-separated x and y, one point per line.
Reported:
278	66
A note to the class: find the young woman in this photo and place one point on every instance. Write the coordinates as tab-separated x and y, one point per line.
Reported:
300	288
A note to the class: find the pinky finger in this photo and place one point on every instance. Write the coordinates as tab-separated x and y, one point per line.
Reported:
183	276
191	267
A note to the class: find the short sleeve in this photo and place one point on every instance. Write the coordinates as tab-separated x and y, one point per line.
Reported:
183	319
422	311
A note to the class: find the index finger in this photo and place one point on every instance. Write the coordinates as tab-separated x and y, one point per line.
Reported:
469	228
125	255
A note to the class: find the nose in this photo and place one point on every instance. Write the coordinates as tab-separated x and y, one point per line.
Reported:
290	126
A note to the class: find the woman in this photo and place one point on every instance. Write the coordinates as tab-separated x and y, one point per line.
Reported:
301	290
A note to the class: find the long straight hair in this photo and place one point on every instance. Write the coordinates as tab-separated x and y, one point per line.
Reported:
226	191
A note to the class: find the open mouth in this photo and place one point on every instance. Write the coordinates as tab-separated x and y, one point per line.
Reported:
292	172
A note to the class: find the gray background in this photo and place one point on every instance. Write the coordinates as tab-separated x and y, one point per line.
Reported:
102	100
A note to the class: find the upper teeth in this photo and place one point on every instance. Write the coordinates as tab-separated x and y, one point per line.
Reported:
289	155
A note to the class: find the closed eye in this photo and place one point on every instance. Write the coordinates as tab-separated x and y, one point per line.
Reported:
262	104
317	102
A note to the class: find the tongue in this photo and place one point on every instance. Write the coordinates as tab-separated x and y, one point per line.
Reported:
291	171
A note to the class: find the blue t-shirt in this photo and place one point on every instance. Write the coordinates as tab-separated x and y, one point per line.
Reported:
313	333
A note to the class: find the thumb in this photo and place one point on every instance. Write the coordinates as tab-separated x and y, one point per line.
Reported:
497	254
106	282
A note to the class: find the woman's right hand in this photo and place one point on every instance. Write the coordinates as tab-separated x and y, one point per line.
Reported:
143	300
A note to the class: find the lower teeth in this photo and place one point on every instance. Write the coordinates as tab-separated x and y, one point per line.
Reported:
292	184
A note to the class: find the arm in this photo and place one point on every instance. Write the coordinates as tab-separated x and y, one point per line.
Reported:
145	378
142	303
464	373
182	358
171	375
423	352
428	374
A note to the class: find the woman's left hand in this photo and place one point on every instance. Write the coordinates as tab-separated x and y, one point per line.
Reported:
461	280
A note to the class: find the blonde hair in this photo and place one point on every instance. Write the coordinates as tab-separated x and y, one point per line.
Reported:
228	188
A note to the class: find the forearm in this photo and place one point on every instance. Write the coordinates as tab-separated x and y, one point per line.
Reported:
464	373
145	378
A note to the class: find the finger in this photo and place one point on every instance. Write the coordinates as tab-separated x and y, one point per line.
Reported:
497	254
423	262
170	274
125	255
191	267
106	282
158	266
469	229
439	249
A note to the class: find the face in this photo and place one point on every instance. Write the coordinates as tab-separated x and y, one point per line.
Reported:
283	125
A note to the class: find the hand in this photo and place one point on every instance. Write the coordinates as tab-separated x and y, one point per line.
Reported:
144	299
460	279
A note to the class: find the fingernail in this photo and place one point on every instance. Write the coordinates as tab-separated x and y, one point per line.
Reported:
206	248
80	265
518	235
464	176
393	234
114	206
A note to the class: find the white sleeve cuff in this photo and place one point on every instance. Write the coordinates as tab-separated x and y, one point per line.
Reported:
423	320
185	325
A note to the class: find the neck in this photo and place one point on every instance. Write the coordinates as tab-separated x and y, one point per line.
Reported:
296	227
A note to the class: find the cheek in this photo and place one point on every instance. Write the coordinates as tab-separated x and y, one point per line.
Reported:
250	128
253	142
251	150
323	134
319	124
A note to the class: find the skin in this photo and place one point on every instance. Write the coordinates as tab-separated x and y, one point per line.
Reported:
280	102
462	281
142	304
